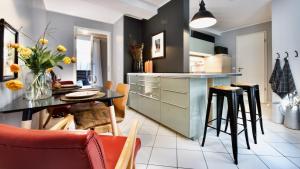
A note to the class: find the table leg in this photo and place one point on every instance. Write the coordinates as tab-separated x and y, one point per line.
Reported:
26	119
113	120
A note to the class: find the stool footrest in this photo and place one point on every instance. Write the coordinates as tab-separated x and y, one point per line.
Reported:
225	131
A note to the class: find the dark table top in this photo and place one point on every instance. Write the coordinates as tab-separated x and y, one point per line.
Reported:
21	104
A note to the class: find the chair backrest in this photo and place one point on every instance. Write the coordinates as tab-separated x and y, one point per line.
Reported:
36	149
108	85
120	103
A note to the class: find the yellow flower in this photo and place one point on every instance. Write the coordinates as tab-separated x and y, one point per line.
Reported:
61	48
14	85
15	68
50	69
73	59
13	45
25	52
67	60
43	41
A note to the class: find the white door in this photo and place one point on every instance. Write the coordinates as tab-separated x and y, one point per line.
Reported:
251	52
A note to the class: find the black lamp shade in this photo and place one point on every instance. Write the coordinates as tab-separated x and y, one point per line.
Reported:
203	18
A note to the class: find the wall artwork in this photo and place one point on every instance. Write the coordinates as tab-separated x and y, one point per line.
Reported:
158	45
8	55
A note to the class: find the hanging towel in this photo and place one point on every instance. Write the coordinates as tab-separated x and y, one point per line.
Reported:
287	84
276	77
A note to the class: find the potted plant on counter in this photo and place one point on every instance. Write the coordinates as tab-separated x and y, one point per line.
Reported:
40	60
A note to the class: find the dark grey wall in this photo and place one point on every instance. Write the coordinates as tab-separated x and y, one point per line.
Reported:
132	34
64	34
228	39
173	18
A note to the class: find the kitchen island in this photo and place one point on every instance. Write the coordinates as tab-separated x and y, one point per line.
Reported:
176	100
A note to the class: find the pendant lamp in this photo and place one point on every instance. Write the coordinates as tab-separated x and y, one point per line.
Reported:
203	18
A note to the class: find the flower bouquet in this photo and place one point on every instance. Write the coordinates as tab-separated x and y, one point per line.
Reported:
40	60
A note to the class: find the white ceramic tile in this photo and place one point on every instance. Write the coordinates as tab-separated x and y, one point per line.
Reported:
163	131
143	155
271	137
264	149
140	166
165	142
297	145
150	130
219	160
159	167
164	157
242	148
187	144
250	162
278	162
150	123
147	140
213	144
287	149
296	161
290	137
191	159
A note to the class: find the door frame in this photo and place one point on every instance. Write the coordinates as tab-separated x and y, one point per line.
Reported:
109	52
266	89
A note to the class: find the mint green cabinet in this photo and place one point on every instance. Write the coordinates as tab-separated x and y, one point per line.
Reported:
178	103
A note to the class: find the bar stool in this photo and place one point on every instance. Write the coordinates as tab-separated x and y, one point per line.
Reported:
234	97
254	100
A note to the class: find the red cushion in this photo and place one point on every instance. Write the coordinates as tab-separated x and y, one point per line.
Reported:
112	153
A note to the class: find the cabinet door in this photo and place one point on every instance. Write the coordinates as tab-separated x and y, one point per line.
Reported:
150	107
175	118
133	100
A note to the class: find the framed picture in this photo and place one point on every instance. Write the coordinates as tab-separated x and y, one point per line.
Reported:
158	46
8	56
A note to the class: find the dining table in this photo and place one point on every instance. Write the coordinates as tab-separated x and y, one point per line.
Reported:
28	108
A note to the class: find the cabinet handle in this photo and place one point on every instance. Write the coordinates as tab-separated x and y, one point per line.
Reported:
174	105
174	91
148	96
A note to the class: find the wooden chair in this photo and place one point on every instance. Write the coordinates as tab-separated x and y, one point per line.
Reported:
96	115
59	111
126	159
108	85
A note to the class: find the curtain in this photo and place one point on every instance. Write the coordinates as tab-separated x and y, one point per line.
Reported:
97	61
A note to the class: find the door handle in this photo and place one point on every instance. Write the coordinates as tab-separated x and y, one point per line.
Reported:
238	69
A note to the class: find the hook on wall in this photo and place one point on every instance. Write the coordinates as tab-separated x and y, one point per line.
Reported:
278	55
297	55
287	54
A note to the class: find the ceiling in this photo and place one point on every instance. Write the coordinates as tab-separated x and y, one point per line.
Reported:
108	11
231	14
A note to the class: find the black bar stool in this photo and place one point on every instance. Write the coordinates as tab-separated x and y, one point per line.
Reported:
254	100
235	99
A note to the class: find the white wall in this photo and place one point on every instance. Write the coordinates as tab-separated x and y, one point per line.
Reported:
118	52
30	15
286	37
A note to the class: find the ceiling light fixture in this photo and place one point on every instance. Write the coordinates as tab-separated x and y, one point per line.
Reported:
203	18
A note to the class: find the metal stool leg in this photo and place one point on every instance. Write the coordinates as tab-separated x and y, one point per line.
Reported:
233	108
207	116
220	101
257	96
252	107
241	103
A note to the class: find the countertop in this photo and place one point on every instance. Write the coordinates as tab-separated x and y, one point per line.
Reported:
188	75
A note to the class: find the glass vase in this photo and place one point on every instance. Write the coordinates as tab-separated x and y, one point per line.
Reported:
38	85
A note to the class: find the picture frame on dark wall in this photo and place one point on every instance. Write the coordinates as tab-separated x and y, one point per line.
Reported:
8	55
158	49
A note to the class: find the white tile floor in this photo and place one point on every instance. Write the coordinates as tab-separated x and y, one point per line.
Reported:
162	148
